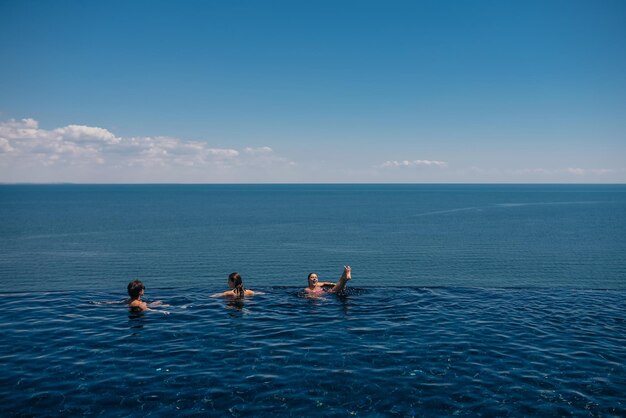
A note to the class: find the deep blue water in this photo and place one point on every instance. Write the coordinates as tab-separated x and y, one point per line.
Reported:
391	351
473	300
71	237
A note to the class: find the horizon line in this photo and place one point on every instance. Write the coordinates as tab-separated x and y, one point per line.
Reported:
301	183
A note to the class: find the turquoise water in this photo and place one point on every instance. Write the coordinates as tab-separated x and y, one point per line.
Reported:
465	300
70	237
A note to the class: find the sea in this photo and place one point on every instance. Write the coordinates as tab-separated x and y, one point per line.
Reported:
473	300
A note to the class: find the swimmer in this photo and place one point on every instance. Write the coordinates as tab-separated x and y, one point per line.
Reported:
316	287
235	282
136	289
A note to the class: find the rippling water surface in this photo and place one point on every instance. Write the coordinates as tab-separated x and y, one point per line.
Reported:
489	300
372	352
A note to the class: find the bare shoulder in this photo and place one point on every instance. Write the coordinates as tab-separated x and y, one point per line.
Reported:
228	293
137	304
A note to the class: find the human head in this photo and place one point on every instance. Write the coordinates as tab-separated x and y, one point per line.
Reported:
312	279
236	282
135	289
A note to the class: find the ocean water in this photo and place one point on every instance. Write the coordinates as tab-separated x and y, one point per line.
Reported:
71	237
491	300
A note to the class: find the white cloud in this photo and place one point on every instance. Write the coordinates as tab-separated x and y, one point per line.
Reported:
413	163
261	150
5	146
165	151
565	171
26	148
26	123
576	171
81	132
589	171
25	141
264	158
16	129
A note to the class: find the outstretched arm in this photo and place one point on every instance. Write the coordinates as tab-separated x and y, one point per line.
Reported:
159	304
143	306
343	280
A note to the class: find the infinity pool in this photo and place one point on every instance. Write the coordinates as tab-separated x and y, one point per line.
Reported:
372	352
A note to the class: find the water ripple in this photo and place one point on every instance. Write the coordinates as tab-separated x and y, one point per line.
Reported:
374	352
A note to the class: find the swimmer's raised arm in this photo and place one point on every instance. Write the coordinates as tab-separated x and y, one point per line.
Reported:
327	283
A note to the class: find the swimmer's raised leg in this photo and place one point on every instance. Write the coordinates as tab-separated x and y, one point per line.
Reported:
343	280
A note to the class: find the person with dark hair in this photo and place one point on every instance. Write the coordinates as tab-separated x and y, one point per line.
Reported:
316	287
136	289
235	282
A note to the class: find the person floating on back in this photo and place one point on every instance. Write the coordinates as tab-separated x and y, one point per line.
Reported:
235	282
136	289
316	287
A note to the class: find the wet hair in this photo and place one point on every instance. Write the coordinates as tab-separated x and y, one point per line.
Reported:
134	289
238	283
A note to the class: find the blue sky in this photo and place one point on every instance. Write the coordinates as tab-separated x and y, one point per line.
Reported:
313	91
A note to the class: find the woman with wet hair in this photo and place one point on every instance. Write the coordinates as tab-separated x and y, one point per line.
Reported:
317	288
235	282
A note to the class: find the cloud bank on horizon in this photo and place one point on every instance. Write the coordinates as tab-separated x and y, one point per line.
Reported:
89	154
78	153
